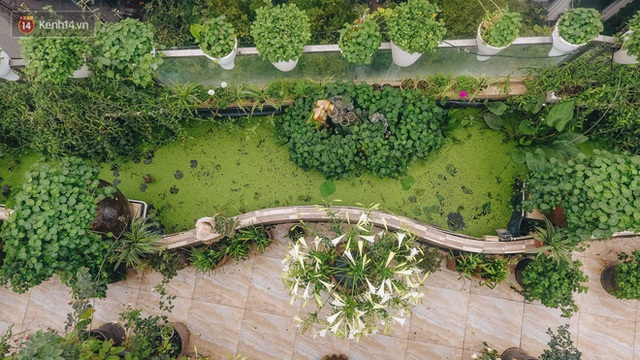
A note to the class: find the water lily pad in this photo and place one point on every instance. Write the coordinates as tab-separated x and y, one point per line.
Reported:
116	182
193	164
148	161
143	187
174	190
178	175
455	221
406	182
327	188
116	173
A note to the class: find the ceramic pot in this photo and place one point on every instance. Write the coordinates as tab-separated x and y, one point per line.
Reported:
182	333
515	353
109	331
486	49
608	280
403	58
560	45
227	62
622	56
5	70
522	264
285	66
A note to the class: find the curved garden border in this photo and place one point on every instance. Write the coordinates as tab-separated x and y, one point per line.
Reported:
426	233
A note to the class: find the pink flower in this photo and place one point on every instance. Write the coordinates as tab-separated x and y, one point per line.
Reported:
463	94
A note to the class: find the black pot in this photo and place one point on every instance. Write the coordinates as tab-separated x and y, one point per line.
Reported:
109	331
522	264
515	353
608	279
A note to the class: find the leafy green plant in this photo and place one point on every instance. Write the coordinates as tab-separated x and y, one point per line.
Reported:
468	263
280	32
360	40
628	276
207	259
430	258
632	41
488	353
125	50
580	25
217	37
225	226
413	26
257	235
138	242
553	283
500	28
561	346
166	262
556	243
51	56
49	231
493	271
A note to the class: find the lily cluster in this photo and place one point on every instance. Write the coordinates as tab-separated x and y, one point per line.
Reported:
369	280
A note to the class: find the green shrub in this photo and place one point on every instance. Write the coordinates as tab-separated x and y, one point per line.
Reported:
217	37
280	32
359	41
408	126
632	41
500	28
580	25
628	276
414	27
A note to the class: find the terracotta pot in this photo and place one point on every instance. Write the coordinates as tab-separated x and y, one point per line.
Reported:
515	353
608	279
451	263
557	217
109	331
522	264
181	334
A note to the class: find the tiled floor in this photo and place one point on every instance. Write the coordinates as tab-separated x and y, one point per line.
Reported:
244	309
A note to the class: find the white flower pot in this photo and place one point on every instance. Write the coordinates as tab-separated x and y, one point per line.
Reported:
81	73
560	45
486	49
622	56
403	58
227	62
5	70
286	65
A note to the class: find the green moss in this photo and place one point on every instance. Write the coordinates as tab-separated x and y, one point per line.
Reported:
12	172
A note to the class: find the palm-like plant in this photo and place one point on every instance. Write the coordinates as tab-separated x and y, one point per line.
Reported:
138	241
557	244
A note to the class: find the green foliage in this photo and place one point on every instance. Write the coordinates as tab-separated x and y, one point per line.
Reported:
553	283
51	60
500	28
48	232
561	346
632	41
280	32
580	25
138	242
413	26
217	37
430	258
628	276
556	243
172	19
166	262
491	270
327	188
359	41
600	195
204	260
125	50
411	129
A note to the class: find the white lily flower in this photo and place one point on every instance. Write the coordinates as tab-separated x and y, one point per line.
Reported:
334	328
380	291
405	272
400	236
360	246
391	255
327	285
223	84
372	289
399	320
335	241
369	238
414	252
337	303
474	356
305	295
332	318
349	256
323	333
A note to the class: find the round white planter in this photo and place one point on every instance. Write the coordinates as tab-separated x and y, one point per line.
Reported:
622	56
227	62
81	73
5	70
403	58
486	49
560	45
286	65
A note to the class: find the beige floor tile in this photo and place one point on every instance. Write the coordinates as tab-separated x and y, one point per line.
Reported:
181	285
227	285
603	337
266	336
308	347
379	347
133	280
537	319
48	307
447	279
496	321
266	291
280	246
608	249
13	305
118	299
148	302
636	346
441	318
597	301
215	328
421	351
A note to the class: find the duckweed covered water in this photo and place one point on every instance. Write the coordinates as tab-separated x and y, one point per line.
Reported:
234	169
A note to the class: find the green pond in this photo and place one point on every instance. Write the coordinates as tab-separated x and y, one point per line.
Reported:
236	168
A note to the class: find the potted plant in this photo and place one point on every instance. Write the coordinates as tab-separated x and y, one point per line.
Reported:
630	50
369	279
125	50
561	346
556	242
413	30
5	70
497	31
623	279
280	33
49	231
138	242
217	39
360	40
553	283
515	353
575	28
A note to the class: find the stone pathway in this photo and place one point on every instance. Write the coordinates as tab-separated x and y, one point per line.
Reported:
243	308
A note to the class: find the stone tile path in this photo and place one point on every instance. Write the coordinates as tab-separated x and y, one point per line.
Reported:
243	308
